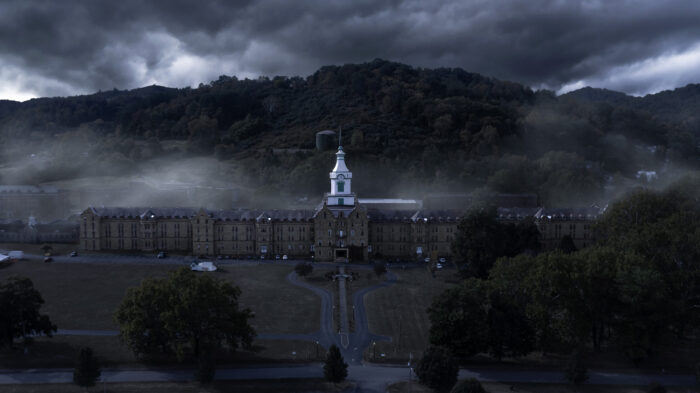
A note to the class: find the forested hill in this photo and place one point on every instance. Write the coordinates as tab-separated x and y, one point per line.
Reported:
408	131
679	104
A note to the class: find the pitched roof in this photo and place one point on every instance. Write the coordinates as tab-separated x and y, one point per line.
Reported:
142	212
583	213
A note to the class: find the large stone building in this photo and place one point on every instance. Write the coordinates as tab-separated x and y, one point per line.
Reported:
19	202
342	227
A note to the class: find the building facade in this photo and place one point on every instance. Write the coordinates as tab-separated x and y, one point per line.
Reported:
341	228
19	202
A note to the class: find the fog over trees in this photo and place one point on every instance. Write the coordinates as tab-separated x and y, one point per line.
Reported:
408	131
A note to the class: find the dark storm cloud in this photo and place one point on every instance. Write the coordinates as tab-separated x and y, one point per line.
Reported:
70	47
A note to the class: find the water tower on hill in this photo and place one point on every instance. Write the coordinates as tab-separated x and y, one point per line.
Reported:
326	140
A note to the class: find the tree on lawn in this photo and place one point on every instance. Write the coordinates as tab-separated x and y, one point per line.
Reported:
87	370
303	269
185	314
19	307
459	319
335	369
481	239
46	248
437	369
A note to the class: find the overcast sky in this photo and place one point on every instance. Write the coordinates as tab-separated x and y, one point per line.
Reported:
58	48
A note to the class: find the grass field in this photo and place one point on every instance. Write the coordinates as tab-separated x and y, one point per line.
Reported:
267	386
399	311
85	296
364	278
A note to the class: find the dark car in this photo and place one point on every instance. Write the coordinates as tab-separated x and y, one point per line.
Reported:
73	254
48	259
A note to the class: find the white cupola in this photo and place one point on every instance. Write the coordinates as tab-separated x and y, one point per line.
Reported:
341	179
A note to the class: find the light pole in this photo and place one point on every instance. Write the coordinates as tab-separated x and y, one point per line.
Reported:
410	359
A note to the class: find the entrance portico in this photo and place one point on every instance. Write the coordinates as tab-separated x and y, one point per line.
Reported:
341	254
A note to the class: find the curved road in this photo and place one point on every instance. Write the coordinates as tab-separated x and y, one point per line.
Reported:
369	378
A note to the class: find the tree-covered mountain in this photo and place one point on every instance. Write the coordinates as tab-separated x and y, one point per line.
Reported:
408	131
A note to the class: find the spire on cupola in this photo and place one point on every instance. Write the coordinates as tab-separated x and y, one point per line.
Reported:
341	178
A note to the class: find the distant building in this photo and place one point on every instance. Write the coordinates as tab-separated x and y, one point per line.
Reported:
342	227
17	202
57	231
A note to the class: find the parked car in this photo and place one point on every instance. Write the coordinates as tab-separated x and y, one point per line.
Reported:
277	256
161	255
427	260
16	255
219	257
285	257
442	260
203	266
48	259
439	265
73	254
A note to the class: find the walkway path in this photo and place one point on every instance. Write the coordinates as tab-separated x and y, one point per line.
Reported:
343	309
356	343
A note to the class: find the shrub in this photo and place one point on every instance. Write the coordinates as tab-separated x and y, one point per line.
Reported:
438	369
303	269
470	385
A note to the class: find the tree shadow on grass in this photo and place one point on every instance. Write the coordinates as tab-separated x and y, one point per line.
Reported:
39	354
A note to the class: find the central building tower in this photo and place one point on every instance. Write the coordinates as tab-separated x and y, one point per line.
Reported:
341	179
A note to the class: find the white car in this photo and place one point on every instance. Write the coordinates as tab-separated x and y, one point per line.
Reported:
285	257
439	265
427	260
204	266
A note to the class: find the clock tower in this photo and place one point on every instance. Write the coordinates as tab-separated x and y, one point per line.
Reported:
341	179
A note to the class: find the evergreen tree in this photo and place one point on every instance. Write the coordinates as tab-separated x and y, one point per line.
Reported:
335	369
87	370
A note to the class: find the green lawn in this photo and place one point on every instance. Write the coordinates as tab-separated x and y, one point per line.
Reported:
85	296
255	386
399	311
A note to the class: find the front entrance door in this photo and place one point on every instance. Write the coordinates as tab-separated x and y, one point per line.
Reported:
341	255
